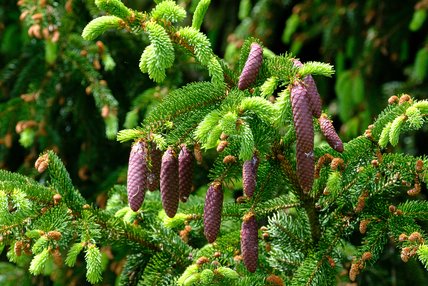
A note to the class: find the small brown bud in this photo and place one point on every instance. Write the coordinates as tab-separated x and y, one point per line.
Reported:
337	163
8	140
18	248
406	253
265	235
268	247
215	263
392	208
375	163
53	234
217	254
222	145
361	202
241	199
399	212
197	153
224	136
88	90
37	17
363	226
331	261
57	198
419	166
86	207
264	229
326	191
393	99
237	258
354	271
188	228
229	159
105	111
404	98
83	53
100	46
366	256
69	6
275	280
415	237
27	249
202	260
414	192
96	64
42	163
402	237
23	15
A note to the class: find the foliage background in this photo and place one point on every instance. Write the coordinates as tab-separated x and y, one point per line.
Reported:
378	48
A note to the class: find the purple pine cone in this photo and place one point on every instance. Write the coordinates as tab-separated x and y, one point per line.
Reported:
185	171
249	242
249	176
314	98
212	211
137	171
251	67
155	159
169	182
330	134
304	136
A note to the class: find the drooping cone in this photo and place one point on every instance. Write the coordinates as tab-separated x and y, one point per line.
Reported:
251	67
137	172
249	176
330	134
212	211
185	171
169	182
249	242
314	98
302	119
155	160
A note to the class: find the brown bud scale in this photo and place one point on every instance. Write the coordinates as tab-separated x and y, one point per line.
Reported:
305	136
249	176
137	172
212	211
251	67
330	134
249	242
169	182
185	172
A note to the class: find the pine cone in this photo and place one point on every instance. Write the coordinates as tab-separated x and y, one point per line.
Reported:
249	242
137	171
249	176
153	176
314	98
251	67
185	171
212	211
169	182
305	136
330	134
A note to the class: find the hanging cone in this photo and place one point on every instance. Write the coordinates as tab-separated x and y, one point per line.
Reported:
155	159
330	134
251	67
212	211
304	136
249	242
314	98
249	176
169	182
137	171
185	173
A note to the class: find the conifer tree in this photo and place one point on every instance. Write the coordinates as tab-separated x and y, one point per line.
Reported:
303	201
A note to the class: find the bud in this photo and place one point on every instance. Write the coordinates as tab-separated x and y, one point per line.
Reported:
169	182
330	134
402	237
222	145
42	163
305	136
404	98
363	226
419	166
212	211
185	172
198	153
415	237
137	172
393	99
251	67
375	163
249	242
202	260
366	256
53	234
275	280
18	248
154	167
57	198
229	159
337	163
249	176
392	208
354	271
361	202
224	136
